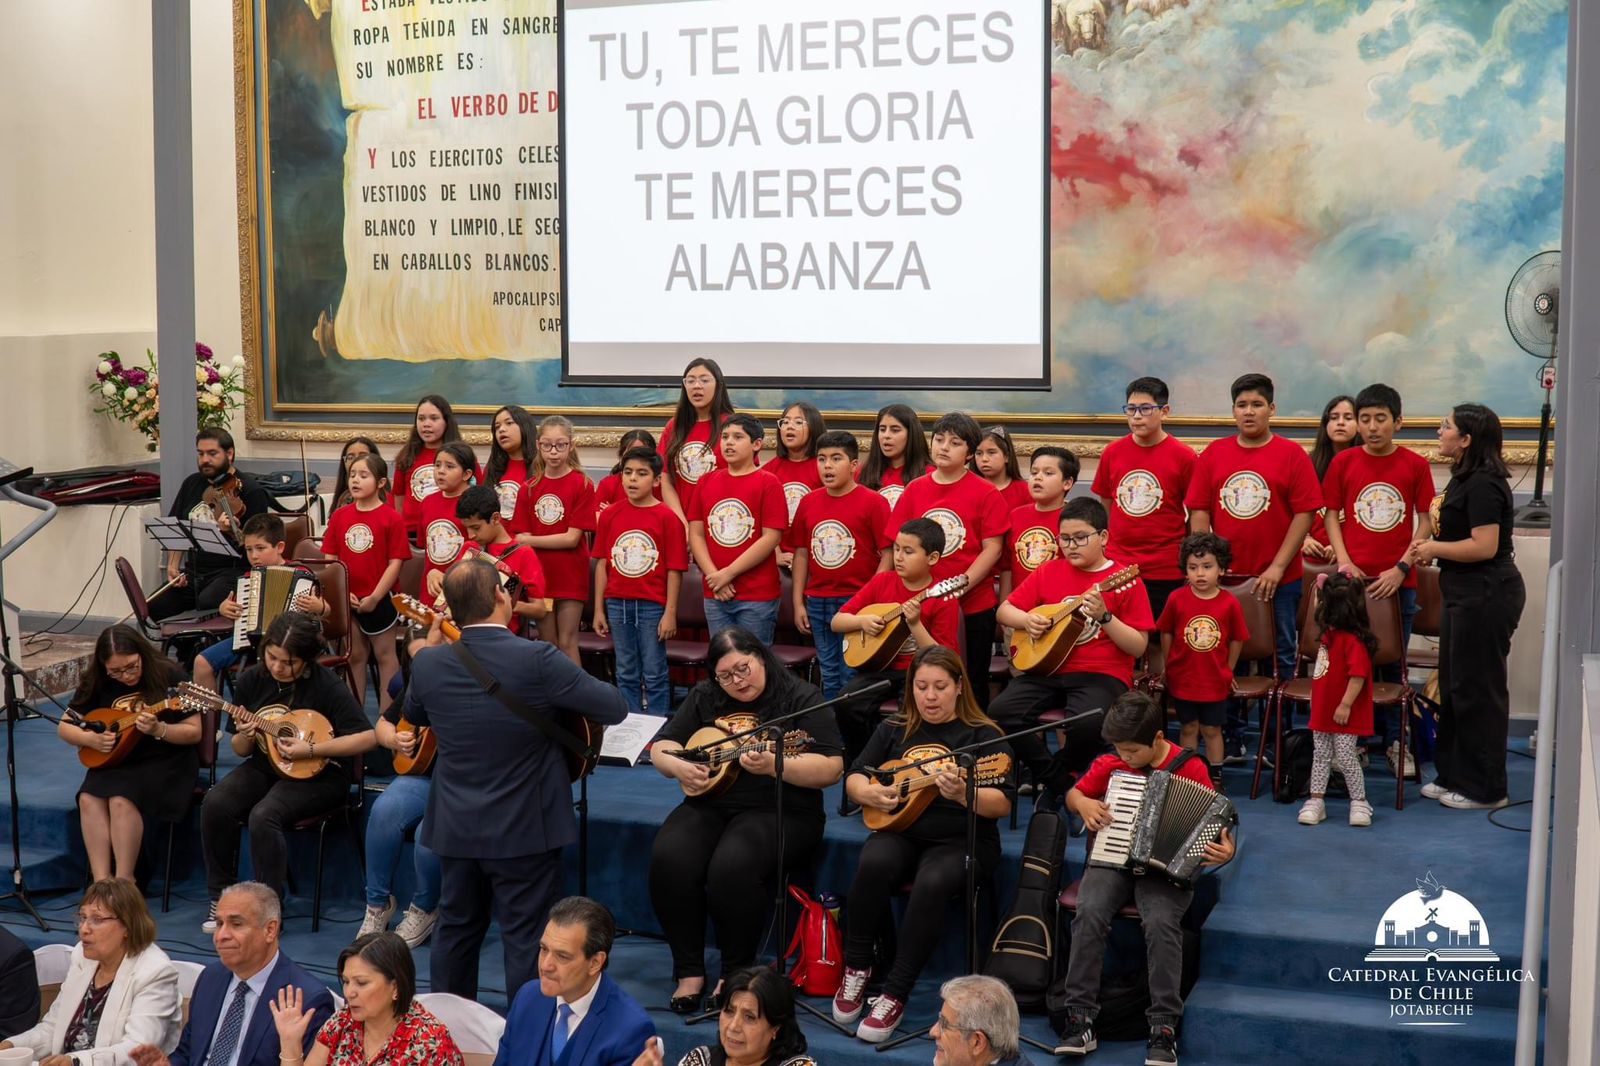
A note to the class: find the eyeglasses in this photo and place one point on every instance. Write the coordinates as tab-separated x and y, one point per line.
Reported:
1076	540
1141	409
690	383
125	671
93	921
790	422
555	445
945	1023
737	673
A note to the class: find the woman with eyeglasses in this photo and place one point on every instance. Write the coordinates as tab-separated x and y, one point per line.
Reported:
715	854
121	990
155	778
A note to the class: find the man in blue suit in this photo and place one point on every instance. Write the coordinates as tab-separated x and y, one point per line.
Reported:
500	809
230	1023
575	1015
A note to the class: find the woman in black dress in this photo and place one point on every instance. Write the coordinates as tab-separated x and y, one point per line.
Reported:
1483	598
939	712
715	853
157	778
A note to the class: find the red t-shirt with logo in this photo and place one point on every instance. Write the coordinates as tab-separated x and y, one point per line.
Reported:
509	489
699	456
1197	668
1253	495
1146	487
1031	539
970	510
524	562
414	484
443	536
1097	778
554	505
797	479
941	617
638	546
1059	581
1340	657
366	542
609	491
894	484
1377	498
842	537
735	509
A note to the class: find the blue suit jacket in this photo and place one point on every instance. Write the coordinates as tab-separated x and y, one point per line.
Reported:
500	790
611	1034
259	1045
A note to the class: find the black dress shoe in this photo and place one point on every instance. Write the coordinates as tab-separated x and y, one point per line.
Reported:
689	1004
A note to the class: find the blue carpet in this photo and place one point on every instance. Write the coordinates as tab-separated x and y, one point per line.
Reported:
1297	903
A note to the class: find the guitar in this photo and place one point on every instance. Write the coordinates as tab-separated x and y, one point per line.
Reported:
1043	655
272	722
917	787
862	652
722	754
118	719
588	733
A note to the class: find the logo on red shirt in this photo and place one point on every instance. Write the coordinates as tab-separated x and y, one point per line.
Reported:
695	461
548	509
1035	546
358	538
1245	494
1321	666
955	534
730	522
634	554
832	545
793	493
1202	633
1139	493
1379	507
422	483
892	493
507	491
444	542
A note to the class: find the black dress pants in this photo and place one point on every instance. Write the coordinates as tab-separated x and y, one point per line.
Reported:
1481	611
205	595
517	892
268	806
978	634
1027	697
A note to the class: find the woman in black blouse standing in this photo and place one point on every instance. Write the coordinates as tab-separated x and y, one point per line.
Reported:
156	778
715	854
1483	598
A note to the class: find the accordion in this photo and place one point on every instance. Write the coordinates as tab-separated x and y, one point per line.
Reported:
264	593
1160	824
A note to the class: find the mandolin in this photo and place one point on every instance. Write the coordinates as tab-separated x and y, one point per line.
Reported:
918	787
721	754
588	733
118	719
1044	655
862	652
273	721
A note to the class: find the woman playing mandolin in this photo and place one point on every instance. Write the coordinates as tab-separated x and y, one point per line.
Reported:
715	853
939	714
155	771
303	771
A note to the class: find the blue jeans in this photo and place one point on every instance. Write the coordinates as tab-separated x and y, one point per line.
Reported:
758	616
221	656
641	654
830	645
397	809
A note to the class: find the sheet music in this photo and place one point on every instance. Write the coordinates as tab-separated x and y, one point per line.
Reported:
626	741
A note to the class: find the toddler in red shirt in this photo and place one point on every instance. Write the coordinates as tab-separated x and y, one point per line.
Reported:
1202	631
1341	694
736	520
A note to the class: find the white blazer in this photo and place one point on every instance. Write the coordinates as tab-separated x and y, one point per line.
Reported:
142	1007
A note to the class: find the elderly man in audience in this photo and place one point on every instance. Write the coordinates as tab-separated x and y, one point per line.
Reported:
978	1025
230	1020
120	990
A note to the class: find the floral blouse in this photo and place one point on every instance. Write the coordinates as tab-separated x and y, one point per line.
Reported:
419	1040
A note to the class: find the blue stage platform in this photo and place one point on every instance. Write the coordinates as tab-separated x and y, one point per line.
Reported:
1297	904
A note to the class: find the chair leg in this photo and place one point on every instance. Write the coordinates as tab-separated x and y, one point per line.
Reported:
166	883
316	891
1400	770
1269	717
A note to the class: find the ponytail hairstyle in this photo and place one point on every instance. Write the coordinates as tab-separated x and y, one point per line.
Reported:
499	459
815	427
341	486
1483	451
634	438
916	456
684	416
462	453
414	445
1342	604
1002	440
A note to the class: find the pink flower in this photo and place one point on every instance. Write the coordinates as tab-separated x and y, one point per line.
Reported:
211	375
135	376
202	353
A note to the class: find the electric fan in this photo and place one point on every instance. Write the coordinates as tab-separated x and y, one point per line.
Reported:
1533	310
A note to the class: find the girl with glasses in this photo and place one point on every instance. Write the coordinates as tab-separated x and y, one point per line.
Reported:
557	513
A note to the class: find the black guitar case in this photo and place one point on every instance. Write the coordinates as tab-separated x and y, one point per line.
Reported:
1025	950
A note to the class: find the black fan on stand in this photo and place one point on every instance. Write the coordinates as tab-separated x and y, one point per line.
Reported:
1533	307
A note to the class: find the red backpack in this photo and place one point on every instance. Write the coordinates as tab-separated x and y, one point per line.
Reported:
819	967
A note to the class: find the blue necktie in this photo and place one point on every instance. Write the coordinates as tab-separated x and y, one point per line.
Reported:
558	1039
221	1053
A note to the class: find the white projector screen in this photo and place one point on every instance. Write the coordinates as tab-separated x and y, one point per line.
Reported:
834	193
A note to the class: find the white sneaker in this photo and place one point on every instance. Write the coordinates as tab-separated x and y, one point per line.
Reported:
209	926
377	919
1360	813
1433	790
1313	812
1394	761
416	926
1461	803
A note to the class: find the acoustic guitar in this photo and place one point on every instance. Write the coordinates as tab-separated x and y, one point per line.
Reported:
862	652
118	720
722	754
587	733
272	722
918	789
1044	655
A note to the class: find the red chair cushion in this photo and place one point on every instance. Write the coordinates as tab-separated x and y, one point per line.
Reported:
1069	900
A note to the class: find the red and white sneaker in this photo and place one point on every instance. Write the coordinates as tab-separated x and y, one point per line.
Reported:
852	996
884	1018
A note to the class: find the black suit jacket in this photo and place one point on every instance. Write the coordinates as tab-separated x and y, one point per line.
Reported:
258	1045
19	986
500	788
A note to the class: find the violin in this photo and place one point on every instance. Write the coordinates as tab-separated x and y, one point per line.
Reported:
226	497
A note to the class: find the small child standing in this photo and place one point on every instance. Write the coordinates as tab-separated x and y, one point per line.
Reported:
1341	695
1202	632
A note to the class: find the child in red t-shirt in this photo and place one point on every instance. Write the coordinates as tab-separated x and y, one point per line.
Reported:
369	537
689	442
996	462
975	520
736	520
1142	479
433	426
642	557
1100	667
795	466
898	455
479	512
1031	539
836	537
1341	694
513	460
1202	631
557	511
442	532
1133	726
609	489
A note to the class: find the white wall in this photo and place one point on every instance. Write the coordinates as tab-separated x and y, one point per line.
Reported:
1586	893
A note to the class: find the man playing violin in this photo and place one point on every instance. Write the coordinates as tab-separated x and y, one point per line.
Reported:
218	494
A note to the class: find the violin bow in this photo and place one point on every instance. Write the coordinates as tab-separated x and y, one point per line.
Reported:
311	521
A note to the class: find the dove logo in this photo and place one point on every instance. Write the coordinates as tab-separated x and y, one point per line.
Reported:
1431	924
